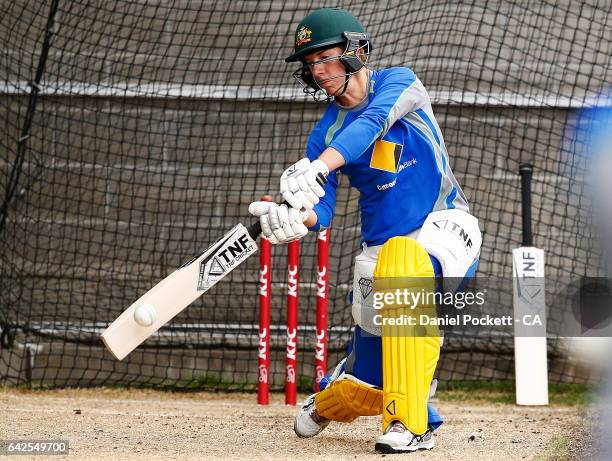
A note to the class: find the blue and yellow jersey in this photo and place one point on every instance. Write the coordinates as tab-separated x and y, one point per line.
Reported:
395	156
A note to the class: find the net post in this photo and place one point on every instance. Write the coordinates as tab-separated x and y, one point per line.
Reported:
292	323
322	305
265	281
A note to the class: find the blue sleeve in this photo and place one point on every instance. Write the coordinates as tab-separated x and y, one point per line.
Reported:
325	208
397	91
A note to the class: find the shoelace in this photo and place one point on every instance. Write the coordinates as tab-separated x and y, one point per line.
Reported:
399	428
312	412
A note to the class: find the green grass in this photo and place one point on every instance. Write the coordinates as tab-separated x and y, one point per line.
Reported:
504	392
457	391
201	382
305	383
557	449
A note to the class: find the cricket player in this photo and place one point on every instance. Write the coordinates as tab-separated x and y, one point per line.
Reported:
380	131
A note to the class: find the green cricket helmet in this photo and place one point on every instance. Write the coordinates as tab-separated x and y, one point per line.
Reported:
328	28
324	28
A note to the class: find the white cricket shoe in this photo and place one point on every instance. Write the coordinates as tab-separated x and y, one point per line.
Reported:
398	439
308	423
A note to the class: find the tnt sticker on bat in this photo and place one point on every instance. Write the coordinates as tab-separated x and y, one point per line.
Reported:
227	256
174	293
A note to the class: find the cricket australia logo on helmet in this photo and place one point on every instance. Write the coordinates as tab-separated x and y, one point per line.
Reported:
303	36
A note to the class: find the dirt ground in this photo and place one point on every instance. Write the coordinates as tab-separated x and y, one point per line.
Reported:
135	424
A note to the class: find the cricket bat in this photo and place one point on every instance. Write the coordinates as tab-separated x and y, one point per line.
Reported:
530	351
177	291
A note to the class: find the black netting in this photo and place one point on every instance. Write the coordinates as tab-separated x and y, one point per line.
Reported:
134	133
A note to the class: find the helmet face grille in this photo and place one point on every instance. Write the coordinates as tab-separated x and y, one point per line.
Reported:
352	61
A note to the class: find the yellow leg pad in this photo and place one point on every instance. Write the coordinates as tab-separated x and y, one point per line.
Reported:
410	352
345	400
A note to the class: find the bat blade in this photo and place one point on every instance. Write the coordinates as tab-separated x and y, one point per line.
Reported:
530	351
174	293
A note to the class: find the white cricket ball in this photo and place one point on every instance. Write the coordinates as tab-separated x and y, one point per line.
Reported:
145	315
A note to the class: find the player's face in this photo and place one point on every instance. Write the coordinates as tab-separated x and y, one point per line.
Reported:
327	69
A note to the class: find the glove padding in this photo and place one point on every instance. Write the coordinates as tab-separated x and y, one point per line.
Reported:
299	184
279	223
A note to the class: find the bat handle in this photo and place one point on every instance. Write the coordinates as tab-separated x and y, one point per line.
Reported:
255	228
526	172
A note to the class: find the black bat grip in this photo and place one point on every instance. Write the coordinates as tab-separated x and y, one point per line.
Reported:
255	228
526	172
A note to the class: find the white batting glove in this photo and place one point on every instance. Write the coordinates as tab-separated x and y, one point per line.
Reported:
279	223
299	184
